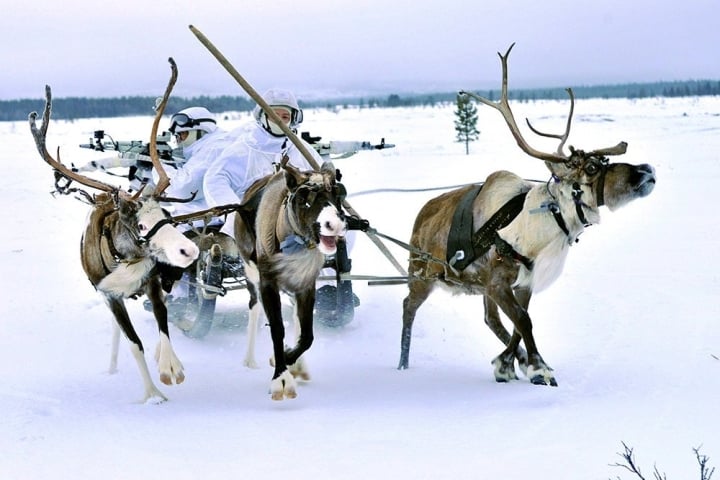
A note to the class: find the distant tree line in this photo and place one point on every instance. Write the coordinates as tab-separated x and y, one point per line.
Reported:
83	107
71	108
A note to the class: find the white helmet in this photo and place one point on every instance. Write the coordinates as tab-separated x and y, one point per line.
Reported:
193	118
276	97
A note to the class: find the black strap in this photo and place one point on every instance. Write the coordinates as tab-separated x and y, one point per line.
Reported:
478	243
461	231
165	221
485	236
555	209
504	249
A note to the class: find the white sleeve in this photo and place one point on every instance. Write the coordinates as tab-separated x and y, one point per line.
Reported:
224	182
186	179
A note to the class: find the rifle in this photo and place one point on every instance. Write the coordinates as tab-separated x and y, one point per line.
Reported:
135	154
132	154
342	149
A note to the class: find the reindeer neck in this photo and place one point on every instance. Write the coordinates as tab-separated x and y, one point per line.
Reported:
120	241
572	208
289	232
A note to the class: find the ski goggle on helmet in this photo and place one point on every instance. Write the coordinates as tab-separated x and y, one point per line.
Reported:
279	98
193	118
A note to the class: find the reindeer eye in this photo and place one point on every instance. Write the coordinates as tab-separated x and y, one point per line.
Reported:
592	168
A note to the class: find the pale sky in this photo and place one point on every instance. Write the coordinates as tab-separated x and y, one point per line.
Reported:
341	47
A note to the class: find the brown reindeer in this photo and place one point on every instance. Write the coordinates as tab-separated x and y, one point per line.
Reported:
130	246
283	243
509	237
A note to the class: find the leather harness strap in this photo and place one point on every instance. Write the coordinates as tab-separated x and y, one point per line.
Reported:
460	249
465	247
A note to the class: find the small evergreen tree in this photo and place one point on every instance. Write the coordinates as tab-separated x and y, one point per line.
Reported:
466	121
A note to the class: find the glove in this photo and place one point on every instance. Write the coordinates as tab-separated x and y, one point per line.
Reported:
355	223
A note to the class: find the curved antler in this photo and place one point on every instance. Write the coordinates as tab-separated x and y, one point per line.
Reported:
504	108
563	138
618	149
164	181
40	135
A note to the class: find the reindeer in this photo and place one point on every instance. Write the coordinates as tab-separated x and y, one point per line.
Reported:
129	247
510	236
283	243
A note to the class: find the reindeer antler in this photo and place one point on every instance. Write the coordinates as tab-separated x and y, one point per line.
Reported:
40	136
164	181
504	108
563	138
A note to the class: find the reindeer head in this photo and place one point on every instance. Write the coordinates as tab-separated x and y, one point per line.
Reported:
600	182
313	205
152	229
149	227
588	177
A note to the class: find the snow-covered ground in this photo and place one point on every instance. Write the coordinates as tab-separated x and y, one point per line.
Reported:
631	328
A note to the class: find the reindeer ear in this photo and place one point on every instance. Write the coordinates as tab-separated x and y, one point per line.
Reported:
293	178
127	208
327	167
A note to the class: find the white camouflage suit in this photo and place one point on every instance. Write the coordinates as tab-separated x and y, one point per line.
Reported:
189	178
252	155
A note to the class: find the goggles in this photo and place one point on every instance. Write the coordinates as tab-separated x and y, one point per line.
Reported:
183	121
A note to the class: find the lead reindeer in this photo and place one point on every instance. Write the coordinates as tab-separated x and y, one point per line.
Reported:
130	247
284	242
518	234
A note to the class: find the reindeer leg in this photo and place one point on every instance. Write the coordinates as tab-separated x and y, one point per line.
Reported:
303	315
505	362
499	290
283	384
523	296
117	306
299	368
254	315
114	348
169	365
492	320
419	292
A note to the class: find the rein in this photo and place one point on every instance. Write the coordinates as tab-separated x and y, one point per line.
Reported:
165	221
421	253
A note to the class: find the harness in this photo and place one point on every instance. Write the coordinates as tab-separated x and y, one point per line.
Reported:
554	208
464	246
140	240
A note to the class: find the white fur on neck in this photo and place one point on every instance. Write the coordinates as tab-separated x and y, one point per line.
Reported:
127	278
298	271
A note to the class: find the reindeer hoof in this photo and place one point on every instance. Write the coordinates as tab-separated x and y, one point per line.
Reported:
283	386
250	363
504	368
300	370
168	378
543	380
